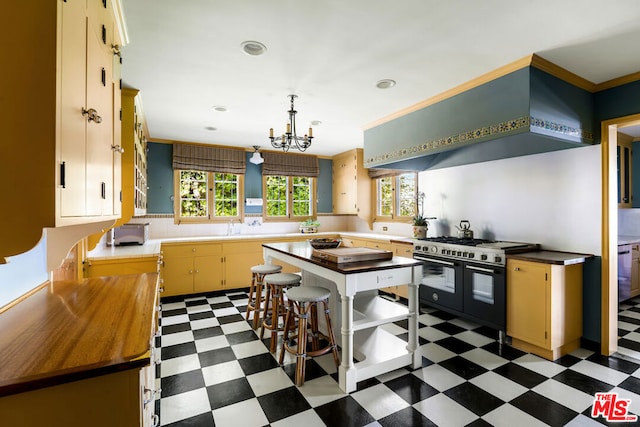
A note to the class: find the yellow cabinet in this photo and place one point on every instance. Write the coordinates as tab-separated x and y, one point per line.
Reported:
350	242
351	185
239	257
134	157
67	144
191	268
121	266
544	307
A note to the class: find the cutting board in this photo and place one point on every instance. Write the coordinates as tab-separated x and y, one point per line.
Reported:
341	255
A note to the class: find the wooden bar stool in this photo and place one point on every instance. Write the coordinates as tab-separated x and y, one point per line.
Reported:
274	307
303	303
255	289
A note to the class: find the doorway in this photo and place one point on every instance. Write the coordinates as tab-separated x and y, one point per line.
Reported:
610	228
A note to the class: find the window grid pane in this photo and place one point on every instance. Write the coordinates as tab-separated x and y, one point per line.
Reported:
277	196
226	194
301	198
406	185
193	194
385	197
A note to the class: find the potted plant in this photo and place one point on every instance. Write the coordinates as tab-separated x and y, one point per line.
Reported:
420	225
309	226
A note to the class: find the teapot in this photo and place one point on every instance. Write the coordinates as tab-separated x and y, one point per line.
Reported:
464	232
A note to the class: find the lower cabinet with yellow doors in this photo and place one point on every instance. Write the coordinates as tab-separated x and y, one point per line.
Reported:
193	267
121	266
198	267
544	306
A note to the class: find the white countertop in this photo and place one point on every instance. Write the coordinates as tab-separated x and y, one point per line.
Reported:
627	240
152	247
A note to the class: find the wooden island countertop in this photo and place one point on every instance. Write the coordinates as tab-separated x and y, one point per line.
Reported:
71	330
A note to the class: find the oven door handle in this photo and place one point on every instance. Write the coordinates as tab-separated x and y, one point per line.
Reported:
418	257
485	270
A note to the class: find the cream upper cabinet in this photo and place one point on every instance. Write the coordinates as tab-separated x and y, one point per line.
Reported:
58	118
351	185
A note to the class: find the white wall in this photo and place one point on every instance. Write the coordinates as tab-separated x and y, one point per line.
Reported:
553	199
629	222
23	273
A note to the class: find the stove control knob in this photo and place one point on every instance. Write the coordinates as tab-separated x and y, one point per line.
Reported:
434	249
472	255
497	259
444	251
483	257
459	253
465	254
417	248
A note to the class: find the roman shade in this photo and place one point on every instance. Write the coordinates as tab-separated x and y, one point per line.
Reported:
289	164
209	159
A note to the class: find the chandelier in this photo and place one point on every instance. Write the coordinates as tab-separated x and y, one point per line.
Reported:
290	138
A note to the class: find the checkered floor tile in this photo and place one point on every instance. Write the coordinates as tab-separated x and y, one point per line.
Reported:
629	328
216	371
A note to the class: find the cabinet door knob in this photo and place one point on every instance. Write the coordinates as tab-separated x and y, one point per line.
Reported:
516	268
92	115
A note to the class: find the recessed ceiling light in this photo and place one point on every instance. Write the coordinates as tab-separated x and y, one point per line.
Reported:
211	128
385	84
253	48
219	108
316	122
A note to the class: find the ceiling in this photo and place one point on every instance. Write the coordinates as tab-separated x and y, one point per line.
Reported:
186	57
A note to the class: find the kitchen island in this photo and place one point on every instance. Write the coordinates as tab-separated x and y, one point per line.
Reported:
357	310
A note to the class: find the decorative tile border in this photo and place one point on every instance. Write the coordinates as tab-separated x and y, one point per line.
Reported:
475	135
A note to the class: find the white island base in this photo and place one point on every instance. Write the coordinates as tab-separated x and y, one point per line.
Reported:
358	313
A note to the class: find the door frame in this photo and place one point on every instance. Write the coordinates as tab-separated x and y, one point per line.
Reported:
609	277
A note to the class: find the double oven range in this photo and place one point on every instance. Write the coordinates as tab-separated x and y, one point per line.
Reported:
467	277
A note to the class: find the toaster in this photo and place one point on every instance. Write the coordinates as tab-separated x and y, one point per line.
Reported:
130	234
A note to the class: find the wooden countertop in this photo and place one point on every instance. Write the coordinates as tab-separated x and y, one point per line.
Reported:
72	330
303	251
551	257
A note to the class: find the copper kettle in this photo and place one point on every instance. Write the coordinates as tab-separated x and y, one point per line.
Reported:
464	230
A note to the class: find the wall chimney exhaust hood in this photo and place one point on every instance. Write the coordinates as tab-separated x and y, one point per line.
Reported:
526	111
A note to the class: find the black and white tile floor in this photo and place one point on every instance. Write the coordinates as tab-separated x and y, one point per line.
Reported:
629	328
216	371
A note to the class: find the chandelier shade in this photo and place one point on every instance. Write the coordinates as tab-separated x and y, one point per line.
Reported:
290	139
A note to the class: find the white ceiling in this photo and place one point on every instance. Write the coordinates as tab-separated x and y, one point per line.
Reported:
185	57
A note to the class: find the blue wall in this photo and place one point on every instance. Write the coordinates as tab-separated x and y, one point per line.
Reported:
160	178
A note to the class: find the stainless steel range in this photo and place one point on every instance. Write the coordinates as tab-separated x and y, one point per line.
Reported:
466	277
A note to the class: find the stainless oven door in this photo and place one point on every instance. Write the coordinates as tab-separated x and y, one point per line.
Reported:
441	284
485	294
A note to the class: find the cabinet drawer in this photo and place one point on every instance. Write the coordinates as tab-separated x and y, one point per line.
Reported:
191	250
385	246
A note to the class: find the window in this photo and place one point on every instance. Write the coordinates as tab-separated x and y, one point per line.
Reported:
396	197
208	196
288	197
